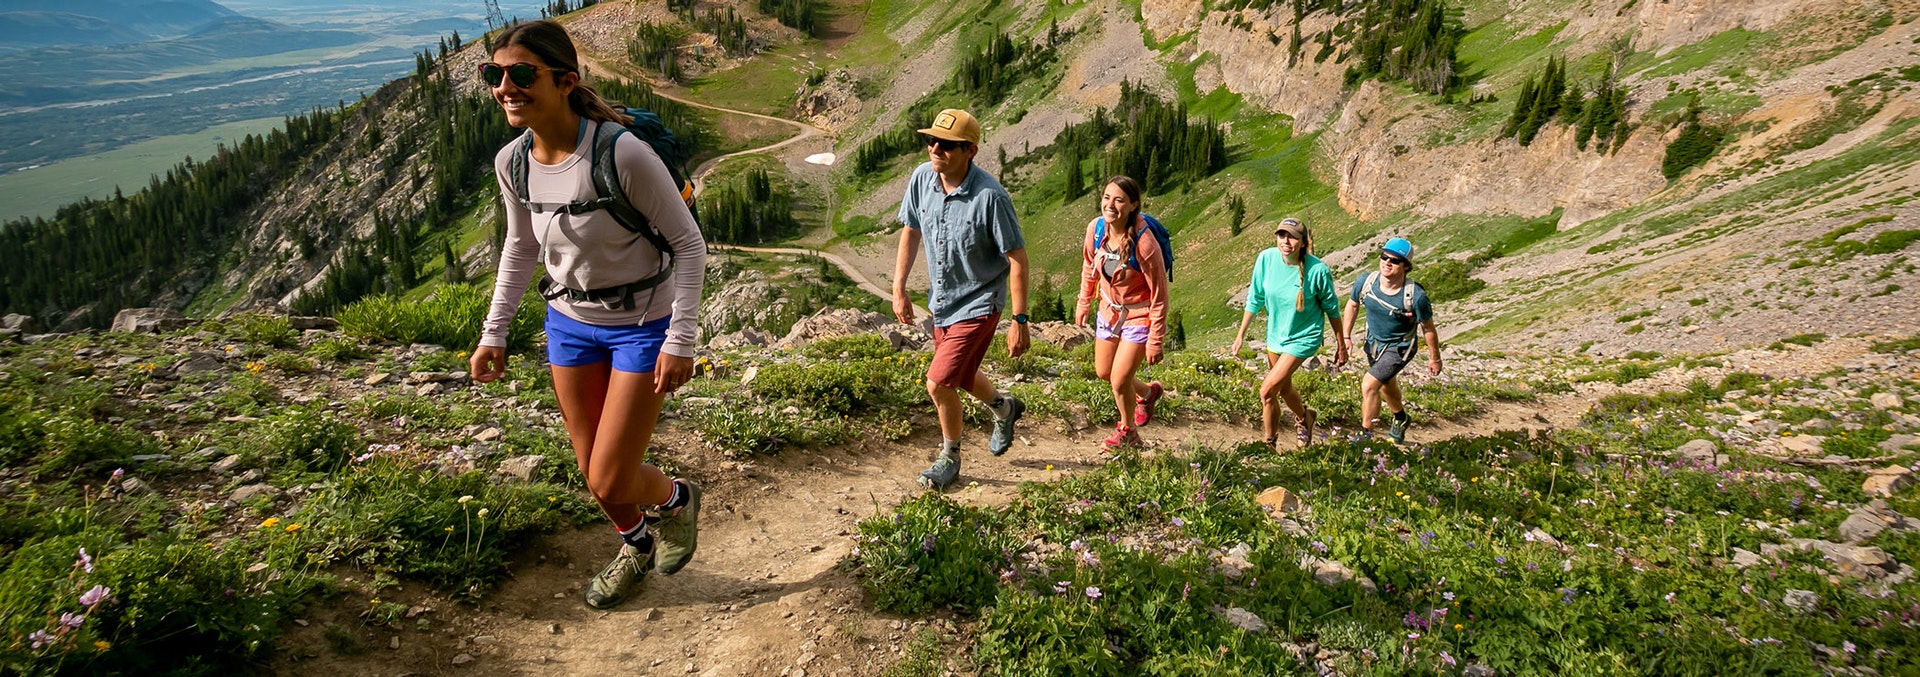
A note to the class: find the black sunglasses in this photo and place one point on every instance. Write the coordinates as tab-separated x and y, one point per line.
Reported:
522	74
1395	260
945	145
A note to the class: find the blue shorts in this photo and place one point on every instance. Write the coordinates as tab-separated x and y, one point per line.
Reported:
632	348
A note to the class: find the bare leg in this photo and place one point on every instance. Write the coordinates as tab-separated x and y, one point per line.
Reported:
610	417
1278	388
1369	401
1391	390
1126	388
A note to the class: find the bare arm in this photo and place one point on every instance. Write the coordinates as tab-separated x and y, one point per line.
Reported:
902	265
1017	340
1348	317
1432	336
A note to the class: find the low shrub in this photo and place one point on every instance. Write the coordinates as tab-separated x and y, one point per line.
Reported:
449	318
846	386
303	439
273	331
855	347
339	350
932	553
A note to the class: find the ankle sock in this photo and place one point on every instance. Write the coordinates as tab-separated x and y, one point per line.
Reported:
637	536
1401	417
1000	405
677	499
949	447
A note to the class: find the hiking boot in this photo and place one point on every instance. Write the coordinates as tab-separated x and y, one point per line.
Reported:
1002	438
1397	428
620	579
942	473
1361	436
1123	436
679	532
1143	408
1303	431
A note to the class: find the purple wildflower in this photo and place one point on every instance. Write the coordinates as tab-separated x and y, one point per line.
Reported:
1178	522
72	621
85	562
926	544
1446	596
1567	594
119	473
1186	590
1319	547
95	596
1848	647
40	638
1060	588
1448	659
1093	592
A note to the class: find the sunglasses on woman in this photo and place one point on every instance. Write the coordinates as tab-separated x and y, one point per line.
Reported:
1395	260
522	74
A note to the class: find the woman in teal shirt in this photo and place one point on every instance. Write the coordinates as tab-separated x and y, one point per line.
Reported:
1295	331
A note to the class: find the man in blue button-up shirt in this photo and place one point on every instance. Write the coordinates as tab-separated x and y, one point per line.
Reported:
976	261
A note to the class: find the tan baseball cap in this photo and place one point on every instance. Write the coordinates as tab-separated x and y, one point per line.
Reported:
954	124
1292	226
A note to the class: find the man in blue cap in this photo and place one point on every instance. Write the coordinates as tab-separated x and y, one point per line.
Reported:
1397	310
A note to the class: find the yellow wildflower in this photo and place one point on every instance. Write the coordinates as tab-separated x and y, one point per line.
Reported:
1457	627
292	528
256	367
103	645
270	523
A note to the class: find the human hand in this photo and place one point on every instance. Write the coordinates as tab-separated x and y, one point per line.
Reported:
1017	340
670	372
1433	367
487	364
1154	354
902	308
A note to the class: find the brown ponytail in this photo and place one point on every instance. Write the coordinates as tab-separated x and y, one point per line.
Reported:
550	43
1306	247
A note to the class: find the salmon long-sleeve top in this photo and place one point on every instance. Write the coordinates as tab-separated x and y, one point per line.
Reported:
1142	289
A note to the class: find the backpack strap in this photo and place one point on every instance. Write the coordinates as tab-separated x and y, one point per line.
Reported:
517	167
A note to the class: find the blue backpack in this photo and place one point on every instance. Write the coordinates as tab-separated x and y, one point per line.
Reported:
608	194
1159	233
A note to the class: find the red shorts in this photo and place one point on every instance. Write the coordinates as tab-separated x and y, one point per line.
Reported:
958	349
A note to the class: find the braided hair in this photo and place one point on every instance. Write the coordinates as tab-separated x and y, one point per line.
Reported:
1306	247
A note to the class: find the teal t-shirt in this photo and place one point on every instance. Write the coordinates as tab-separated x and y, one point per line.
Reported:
1274	287
1388	322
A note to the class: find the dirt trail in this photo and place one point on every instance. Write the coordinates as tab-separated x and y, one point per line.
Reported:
764	596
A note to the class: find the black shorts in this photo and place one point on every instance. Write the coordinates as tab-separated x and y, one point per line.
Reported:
1387	359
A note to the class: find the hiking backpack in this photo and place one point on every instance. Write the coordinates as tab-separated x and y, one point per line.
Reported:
608	194
1133	261
1367	285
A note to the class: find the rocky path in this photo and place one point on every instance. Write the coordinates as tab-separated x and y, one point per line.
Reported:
765	596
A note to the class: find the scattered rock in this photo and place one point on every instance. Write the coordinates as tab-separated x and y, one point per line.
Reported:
651	615
1803	601
489	435
133	485
1244	619
257	567
1851	560
304	323
747	337
1065	336
1702	449
1331	573
226	465
426	389
20	324
1894	444
149	321
1279	503
196	363
462	659
1538	535
1481	669
253	491
1884	401
832	323
1886	481
522	467
377	379
416	611
1233	563
1743	558
1076	418
1803	445
394	643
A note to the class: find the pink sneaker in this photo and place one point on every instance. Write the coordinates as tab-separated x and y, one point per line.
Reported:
1123	436
1143	407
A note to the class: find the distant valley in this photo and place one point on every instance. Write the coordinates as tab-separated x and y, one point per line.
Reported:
100	75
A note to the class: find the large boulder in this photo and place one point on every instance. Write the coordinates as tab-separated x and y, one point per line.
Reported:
833	323
22	324
1061	334
149	321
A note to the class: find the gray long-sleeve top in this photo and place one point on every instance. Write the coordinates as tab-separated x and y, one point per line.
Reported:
593	251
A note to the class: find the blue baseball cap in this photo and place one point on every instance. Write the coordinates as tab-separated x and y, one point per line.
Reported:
1400	247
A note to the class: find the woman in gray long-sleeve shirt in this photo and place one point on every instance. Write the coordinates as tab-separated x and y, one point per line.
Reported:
621	312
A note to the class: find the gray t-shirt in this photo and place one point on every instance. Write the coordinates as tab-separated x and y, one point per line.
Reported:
1388	321
967	235
593	251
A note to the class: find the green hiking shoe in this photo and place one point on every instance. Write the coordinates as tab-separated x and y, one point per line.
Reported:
679	533
1397	428
620	579
1002	437
943	472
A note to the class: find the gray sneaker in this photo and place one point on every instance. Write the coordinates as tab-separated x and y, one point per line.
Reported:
679	533
942	473
1397	428
620	579
1002	438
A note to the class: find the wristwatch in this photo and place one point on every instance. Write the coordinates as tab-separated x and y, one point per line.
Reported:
1019	318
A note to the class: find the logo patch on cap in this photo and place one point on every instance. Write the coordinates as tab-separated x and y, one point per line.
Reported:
945	121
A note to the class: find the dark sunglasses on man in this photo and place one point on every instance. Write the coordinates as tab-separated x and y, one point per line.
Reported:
522	74
945	145
1395	260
